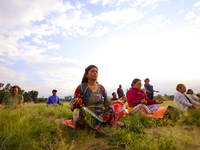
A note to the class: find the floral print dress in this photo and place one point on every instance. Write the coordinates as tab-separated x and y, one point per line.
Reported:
97	111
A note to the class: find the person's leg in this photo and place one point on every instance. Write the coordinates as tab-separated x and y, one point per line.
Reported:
150	96
119	110
140	107
154	107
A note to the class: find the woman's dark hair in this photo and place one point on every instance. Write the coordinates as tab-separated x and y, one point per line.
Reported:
179	86
146	80
135	81
85	79
188	91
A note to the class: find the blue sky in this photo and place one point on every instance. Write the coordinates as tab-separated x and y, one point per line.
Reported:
47	44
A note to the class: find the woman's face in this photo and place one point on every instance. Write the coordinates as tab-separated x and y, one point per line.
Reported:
137	85
92	74
183	89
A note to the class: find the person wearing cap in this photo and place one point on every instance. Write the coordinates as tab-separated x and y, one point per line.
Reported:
54	99
12	101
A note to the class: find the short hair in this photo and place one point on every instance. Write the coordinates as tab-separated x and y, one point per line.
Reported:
146	80
54	90
15	86
179	86
113	93
135	81
188	91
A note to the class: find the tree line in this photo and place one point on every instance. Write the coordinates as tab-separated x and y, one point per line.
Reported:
5	90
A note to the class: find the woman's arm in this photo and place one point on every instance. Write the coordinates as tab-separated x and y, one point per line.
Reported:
147	90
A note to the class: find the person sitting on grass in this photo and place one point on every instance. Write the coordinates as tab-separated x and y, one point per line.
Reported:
138	101
114	97
54	99
30	101
192	95
182	101
91	106
12	101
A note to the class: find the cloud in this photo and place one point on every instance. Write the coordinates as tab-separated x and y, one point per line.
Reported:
155	23
12	77
94	1
128	15
180	12
104	2
144	3
189	15
197	4
121	2
100	31
154	7
196	22
120	27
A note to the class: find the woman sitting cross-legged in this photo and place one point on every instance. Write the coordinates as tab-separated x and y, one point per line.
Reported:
91	107
182	101
138	101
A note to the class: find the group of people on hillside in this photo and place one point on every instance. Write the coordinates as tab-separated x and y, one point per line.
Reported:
92	107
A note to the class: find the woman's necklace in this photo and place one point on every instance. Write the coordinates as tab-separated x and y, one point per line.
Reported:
93	88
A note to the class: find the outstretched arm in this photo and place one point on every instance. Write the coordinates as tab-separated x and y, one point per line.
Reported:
2	104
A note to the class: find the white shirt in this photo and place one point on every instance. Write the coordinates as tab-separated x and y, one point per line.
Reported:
181	102
194	97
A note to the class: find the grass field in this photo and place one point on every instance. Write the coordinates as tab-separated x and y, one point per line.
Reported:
39	127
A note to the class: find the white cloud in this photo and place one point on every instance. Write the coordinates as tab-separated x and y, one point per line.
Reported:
101	31
147	2
180	12
12	77
120	27
154	7
94	1
104	2
155	23
121	2
120	16
189	15
196	22
197	4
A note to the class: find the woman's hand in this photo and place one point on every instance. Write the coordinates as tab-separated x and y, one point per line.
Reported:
77	103
143	101
159	101
122	100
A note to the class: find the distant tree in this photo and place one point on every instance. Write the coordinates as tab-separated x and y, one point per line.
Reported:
33	94
40	100
20	91
2	95
1	85
26	97
7	87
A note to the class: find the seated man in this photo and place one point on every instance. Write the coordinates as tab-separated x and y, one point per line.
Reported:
183	101
30	101
192	95
12	101
114	97
54	99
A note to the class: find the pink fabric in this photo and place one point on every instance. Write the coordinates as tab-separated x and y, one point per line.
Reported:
134	96
119	111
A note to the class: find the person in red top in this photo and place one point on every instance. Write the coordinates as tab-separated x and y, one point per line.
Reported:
120	91
138	101
114	97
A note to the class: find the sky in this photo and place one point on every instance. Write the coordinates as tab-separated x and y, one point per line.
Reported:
46	45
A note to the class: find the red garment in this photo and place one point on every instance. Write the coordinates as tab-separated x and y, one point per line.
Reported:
134	96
